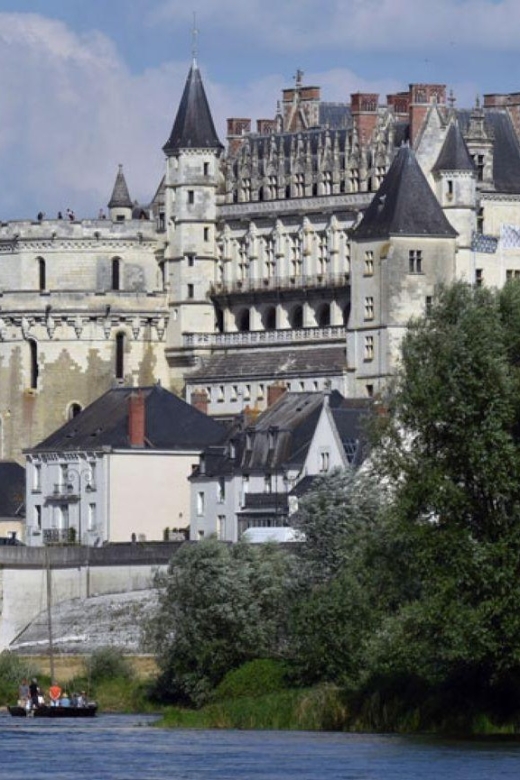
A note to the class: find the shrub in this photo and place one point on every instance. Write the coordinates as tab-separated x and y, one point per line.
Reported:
13	668
107	663
255	678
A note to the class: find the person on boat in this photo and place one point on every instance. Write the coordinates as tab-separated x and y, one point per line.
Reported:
81	700
54	694
34	692
23	693
65	701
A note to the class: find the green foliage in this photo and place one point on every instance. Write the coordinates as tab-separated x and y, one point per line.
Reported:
13	669
107	663
254	678
219	606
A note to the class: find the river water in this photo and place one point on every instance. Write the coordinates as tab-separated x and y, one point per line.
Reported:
124	747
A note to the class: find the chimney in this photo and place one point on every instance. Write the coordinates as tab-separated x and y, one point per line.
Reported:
364	107
136	419
274	392
199	399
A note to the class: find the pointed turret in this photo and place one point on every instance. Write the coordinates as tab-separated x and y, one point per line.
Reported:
404	204
120	204
193	127
454	155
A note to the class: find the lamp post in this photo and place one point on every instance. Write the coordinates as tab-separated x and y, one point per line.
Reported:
82	476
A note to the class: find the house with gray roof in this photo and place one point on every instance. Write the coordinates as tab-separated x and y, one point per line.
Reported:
250	479
118	471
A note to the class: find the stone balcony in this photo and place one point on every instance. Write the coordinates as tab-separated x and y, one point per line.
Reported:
279	283
264	337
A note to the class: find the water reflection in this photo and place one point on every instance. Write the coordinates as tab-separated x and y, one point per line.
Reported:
125	748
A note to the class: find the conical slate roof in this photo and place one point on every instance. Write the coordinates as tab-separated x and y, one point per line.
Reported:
193	127
404	204
120	195
454	155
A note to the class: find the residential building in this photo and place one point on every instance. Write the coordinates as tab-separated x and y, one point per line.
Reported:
249	480
118	471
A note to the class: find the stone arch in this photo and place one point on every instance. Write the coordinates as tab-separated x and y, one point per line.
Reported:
323	315
73	409
296	317
269	318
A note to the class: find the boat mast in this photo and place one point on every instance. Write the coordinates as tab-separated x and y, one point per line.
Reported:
49	612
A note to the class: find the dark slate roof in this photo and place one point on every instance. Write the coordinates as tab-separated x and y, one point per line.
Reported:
120	195
454	155
12	489
171	424
271	363
404	204
193	127
335	115
506	148
351	424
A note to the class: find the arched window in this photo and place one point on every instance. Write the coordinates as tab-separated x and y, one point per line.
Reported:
120	355
74	410
296	318
116	273
42	282
323	316
33	355
269	318
242	321
219	320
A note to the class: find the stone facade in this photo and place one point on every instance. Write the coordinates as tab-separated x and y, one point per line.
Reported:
245	269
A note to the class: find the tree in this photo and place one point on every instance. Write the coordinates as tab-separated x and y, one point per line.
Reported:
450	449
219	606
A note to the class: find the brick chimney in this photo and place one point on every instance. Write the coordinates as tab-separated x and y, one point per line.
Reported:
422	96
274	392
136	419
364	107
237	129
199	399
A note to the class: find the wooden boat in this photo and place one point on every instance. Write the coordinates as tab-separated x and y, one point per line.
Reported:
44	711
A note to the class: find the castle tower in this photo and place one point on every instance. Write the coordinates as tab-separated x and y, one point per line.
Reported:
120	205
401	250
192	169
455	179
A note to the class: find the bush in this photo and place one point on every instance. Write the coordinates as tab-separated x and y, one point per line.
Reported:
107	663
13	669
255	678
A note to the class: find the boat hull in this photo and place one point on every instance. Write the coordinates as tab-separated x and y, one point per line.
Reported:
45	711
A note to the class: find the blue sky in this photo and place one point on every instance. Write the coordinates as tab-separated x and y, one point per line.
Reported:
89	84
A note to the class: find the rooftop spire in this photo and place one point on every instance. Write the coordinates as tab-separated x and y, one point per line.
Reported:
193	127
194	41
120	195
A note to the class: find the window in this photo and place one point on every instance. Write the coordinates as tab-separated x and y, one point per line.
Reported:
450	189
74	410
191	260
91	519
201	503
120	356
369	308
191	291
206	234
37	478
415	261
428	305
369	263
205	168
116	273
191	197
221	490
38	516
247	392
220	394
479	165
511	274
41	274
33	356
268	484
234	393
369	391
369	348
479	277
221	527
324	461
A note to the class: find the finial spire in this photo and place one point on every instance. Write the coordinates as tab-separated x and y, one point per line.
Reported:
194	39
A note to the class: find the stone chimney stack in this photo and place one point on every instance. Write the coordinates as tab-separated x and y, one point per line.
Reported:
274	392
136	419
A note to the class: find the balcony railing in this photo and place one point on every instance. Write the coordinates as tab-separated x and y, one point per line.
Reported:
269	283
248	338
277	502
59	536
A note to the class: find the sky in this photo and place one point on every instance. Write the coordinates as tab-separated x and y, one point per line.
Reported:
86	85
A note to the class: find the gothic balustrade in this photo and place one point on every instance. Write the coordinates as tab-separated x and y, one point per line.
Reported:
255	337
310	282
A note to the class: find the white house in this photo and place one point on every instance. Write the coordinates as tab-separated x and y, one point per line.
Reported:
117	471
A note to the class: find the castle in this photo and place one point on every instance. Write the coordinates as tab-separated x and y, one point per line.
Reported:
292	258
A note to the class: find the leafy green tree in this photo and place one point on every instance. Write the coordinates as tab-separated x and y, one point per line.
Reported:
219	606
449	448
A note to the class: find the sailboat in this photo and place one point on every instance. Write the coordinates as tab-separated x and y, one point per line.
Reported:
88	710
